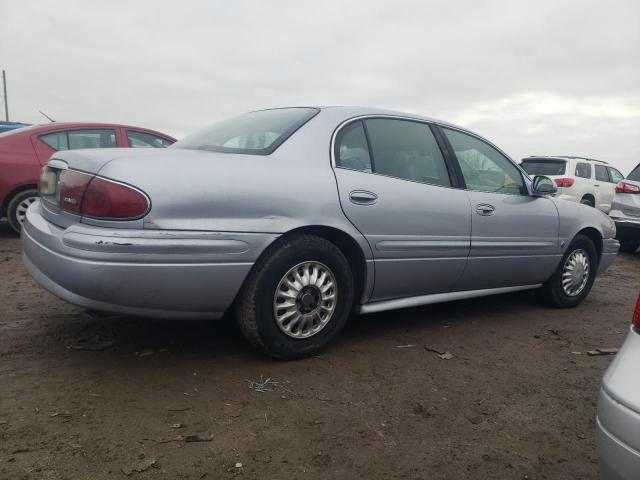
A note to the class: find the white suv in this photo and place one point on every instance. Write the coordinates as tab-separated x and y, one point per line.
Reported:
584	180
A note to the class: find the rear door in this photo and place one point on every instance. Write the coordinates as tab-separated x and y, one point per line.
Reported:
605	188
514	239
397	189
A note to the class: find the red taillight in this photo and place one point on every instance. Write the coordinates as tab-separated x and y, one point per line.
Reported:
98	197
564	182
107	199
636	315
72	186
624	187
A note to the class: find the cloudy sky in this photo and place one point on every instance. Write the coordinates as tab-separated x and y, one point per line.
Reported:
543	77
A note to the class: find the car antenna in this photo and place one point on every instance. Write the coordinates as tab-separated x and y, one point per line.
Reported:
48	117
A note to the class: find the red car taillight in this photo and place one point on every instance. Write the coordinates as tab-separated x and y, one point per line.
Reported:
99	197
624	187
636	315
564	182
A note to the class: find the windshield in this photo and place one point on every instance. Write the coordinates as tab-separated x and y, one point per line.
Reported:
544	167
258	133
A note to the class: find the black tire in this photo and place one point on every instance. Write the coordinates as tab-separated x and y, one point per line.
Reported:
17	203
588	201
255	303
628	246
552	291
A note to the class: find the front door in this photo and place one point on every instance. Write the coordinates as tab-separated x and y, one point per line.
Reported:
396	188
514	240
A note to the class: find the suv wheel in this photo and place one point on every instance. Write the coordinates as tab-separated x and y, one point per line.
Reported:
297	298
573	279
17	209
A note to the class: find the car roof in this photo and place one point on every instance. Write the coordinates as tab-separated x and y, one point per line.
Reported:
563	157
55	126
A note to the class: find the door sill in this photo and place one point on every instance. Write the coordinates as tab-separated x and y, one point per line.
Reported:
438	298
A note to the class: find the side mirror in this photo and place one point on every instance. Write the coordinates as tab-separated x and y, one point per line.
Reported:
543	185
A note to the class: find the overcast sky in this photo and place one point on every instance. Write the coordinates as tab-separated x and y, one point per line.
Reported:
543	77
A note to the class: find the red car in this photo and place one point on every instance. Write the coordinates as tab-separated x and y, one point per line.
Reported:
24	151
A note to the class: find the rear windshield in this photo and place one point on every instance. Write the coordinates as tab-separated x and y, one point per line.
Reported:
544	167
635	174
257	133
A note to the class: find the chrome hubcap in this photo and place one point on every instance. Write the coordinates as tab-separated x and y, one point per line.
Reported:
21	211
305	299
575	272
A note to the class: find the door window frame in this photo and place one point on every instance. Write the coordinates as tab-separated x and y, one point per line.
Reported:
524	176
455	178
69	130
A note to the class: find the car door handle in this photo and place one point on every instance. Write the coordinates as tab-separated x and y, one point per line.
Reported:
363	197
485	209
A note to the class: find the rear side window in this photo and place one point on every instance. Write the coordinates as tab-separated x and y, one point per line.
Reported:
583	170
635	174
483	167
615	175
544	167
352	151
75	139
57	141
406	150
601	173
257	133
146	140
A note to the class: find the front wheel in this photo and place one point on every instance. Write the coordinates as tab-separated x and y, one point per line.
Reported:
297	298
574	277
17	208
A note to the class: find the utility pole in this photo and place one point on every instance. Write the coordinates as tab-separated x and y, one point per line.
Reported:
6	105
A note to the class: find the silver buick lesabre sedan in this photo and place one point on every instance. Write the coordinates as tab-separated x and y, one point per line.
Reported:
296	217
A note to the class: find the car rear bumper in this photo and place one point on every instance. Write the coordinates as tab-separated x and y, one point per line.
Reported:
170	274
618	420
628	229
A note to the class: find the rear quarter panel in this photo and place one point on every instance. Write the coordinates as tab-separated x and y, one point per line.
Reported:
19	165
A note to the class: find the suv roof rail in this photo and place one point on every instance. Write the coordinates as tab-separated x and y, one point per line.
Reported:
570	157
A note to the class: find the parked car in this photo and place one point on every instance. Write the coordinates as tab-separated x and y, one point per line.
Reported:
585	180
24	151
298	216
618	419
7	126
625	211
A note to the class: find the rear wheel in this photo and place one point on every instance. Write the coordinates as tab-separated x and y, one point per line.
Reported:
297	297
629	246
574	277
17	209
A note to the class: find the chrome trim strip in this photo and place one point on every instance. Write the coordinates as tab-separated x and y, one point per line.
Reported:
438	298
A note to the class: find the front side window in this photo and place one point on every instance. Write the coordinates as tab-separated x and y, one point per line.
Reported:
75	139
615	175
146	140
483	167
257	133
352	151
601	173
583	170
407	150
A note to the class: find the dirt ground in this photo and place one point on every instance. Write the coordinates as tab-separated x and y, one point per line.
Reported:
83	397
